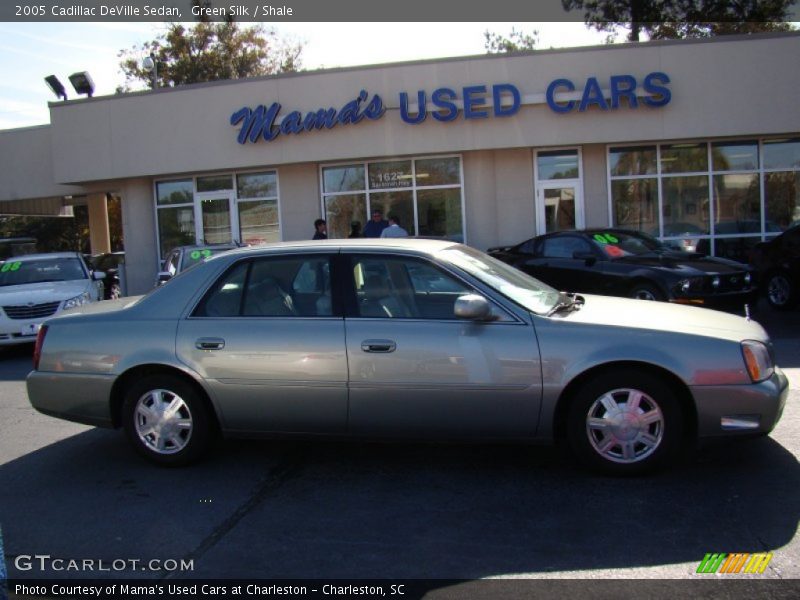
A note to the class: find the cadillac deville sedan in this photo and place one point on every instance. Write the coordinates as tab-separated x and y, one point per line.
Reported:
403	339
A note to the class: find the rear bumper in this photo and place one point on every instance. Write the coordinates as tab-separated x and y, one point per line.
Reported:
80	398
737	410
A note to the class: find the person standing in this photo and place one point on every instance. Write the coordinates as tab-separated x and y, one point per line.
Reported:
320	230
376	225
355	229
394	230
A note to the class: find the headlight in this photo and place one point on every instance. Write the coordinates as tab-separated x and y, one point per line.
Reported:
747	278
757	360
78	300
715	281
693	284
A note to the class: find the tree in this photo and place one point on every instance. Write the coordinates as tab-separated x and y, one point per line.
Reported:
670	19
208	52
517	41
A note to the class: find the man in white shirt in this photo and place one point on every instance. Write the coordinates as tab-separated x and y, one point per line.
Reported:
394	230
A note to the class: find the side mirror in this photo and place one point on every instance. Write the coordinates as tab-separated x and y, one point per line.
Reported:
98	275
587	257
472	307
163	277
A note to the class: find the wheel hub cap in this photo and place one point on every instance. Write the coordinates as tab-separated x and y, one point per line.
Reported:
625	425
163	421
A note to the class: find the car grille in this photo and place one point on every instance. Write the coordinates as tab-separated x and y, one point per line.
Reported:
28	312
732	283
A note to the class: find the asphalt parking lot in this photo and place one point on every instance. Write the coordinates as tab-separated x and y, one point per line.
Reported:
355	510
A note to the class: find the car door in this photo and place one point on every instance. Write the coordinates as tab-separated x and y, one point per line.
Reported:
418	371
273	364
555	264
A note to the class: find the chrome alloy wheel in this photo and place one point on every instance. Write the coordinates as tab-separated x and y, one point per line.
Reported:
163	421
625	426
778	290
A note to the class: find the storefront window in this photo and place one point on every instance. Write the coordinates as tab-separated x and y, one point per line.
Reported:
632	161
175	227
425	193
214	211
257	185
214	183
343	210
343	179
731	223
782	154
393	174
557	164
684	158
175	192
636	203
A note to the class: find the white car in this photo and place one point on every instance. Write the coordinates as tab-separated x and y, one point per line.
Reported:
37	286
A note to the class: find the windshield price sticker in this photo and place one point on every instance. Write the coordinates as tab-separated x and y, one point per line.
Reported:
10	267
606	238
196	254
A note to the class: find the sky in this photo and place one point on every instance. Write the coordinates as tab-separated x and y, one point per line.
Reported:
32	51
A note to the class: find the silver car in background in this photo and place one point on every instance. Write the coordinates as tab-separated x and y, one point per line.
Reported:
403	339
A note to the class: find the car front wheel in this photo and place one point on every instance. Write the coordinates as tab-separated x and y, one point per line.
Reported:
646	291
166	420
625	423
781	293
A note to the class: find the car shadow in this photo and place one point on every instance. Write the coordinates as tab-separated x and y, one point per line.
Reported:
272	509
16	362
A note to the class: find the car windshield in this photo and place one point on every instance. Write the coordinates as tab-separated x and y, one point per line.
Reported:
195	255
523	289
16	272
618	244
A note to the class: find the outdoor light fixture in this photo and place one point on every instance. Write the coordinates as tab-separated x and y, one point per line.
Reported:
150	65
82	82
55	86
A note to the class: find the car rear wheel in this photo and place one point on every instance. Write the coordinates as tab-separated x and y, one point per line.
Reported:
646	291
166	420
780	292
625	423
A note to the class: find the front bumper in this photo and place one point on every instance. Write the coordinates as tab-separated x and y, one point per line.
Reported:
735	299
77	397
760	405
17	331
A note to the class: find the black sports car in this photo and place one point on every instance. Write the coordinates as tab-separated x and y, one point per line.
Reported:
778	262
618	262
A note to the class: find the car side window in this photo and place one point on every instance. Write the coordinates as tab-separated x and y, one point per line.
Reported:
564	246
268	287
405	288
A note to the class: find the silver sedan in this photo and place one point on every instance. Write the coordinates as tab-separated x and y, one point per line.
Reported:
403	339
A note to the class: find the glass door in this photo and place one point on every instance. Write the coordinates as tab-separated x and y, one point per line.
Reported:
559	207
215	218
559	201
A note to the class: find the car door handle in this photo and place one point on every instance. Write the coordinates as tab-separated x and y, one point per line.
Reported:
210	344
378	346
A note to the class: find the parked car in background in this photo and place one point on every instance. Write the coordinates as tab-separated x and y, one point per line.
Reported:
108	264
618	262
403	338
778	262
37	286
184	257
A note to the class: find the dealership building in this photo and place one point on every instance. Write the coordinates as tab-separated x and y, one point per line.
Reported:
696	142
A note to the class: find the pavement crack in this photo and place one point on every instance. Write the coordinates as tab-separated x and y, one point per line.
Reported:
288	468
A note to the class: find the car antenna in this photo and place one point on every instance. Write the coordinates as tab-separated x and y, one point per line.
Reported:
747	311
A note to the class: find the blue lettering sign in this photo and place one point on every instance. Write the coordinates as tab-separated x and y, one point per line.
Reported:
623	86
497	97
259	122
663	95
441	98
473	96
592	94
551	92
422	111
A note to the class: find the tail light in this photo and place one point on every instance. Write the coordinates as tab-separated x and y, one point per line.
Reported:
37	349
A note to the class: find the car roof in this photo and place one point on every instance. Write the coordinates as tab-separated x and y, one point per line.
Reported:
25	257
427	246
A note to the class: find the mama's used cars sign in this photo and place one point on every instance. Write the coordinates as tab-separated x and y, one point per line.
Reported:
446	104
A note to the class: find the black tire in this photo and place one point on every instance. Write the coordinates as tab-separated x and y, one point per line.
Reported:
781	290
166	440
620	443
646	291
